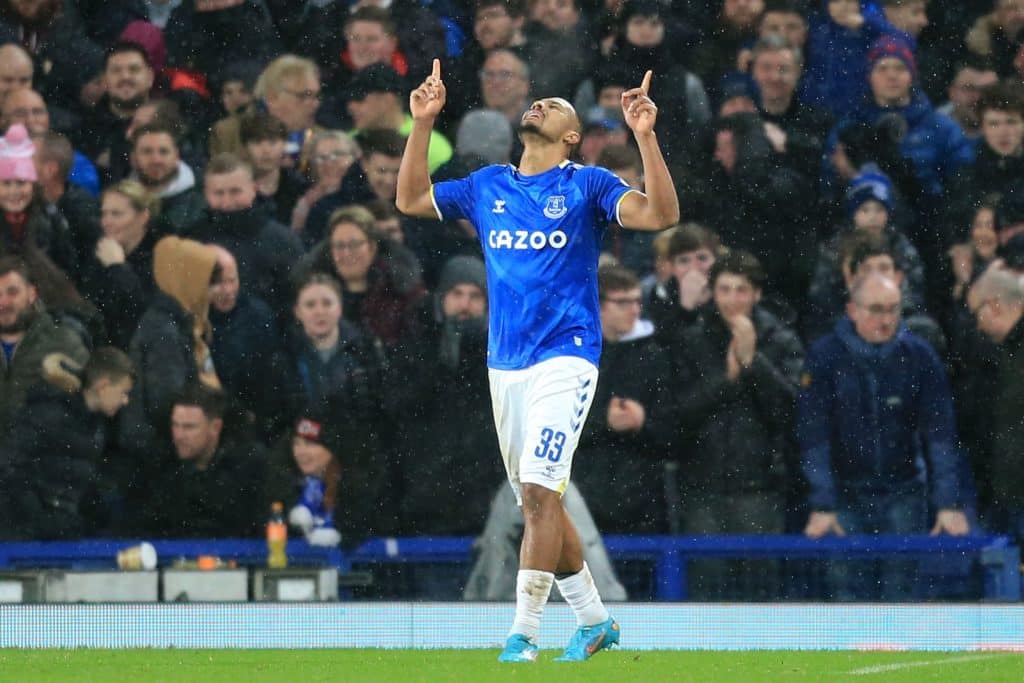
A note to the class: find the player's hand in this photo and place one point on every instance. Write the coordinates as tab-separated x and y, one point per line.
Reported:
638	109
952	522
822	523
426	101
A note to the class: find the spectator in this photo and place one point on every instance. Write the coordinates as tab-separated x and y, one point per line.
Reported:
52	460
64	201
970	257
505	85
997	36
656	286
782	19
27	335
444	383
128	80
381	281
734	27
336	369
331	155
909	17
166	113
796	130
170	346
838	42
997	302
971	78
25	224
630	428
289	90
869	204
559	33
875	406
737	372
265	249
601	128
247	347
214	488
374	177
632	248
691	251
205	36
119	274
376	97
156	163
16	69
277	189
334	485
234	90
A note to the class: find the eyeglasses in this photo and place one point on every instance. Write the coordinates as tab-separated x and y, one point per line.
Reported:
351	245
503	75
332	156
626	301
879	310
304	95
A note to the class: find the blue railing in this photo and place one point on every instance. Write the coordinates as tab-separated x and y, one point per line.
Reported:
999	558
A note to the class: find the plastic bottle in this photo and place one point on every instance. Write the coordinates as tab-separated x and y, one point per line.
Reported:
277	538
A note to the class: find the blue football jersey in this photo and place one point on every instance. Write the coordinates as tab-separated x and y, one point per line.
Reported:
541	238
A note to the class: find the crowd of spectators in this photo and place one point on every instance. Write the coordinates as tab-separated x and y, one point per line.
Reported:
209	302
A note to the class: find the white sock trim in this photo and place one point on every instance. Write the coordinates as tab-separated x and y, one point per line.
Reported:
580	591
532	590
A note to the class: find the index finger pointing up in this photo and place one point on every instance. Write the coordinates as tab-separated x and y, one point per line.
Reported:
436	73
646	85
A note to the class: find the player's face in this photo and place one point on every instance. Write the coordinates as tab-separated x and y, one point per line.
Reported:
318	310
553	119
464	301
311	457
620	310
735	295
353	252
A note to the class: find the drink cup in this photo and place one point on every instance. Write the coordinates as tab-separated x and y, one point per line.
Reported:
142	556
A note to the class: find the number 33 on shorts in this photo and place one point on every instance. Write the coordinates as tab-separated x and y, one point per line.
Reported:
551	445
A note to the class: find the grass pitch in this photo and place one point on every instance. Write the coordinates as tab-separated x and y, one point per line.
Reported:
312	666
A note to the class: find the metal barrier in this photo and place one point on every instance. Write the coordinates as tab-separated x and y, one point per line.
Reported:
998	558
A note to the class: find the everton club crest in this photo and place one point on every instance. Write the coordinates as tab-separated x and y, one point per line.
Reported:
555	208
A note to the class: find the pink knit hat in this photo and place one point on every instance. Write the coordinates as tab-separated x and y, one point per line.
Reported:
16	151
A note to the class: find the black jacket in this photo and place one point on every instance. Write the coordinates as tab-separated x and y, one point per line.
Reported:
621	473
738	433
1008	446
122	291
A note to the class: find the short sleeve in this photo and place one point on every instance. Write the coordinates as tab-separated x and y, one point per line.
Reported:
606	190
453	198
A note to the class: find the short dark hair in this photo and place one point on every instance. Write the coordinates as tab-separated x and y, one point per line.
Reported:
1002	97
212	402
614	157
317	277
155	128
378	15
261	127
384	141
738	262
613	278
123	47
15	264
226	162
56	147
859	245
109	362
515	8
691	237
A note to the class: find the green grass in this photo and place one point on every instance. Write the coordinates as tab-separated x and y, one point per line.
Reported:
341	666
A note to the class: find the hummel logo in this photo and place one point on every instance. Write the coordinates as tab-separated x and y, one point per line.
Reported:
499	206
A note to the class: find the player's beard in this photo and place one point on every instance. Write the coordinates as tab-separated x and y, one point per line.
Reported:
530	128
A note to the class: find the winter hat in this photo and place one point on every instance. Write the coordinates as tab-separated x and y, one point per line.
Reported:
871	184
319	431
642	8
16	152
149	38
486	134
460	270
892	46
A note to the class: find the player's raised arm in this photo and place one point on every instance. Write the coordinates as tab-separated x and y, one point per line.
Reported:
660	208
425	103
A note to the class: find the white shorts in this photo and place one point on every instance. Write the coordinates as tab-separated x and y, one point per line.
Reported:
539	414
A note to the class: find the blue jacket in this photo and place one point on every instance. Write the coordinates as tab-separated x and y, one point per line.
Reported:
934	143
836	74
867	414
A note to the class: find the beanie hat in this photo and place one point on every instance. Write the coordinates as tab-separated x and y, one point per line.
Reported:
16	151
462	270
486	134
318	431
892	46
150	38
872	184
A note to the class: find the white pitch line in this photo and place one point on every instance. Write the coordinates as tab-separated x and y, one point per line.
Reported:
883	668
